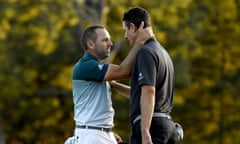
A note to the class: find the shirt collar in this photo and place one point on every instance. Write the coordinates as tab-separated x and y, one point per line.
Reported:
88	55
150	39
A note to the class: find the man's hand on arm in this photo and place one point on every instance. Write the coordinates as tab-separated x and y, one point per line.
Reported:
121	88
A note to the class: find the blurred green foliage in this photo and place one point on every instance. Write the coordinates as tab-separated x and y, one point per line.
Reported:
39	44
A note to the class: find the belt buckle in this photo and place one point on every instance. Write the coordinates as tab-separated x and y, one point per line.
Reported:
102	129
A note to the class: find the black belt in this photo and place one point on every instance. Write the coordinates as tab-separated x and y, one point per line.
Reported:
155	114
93	127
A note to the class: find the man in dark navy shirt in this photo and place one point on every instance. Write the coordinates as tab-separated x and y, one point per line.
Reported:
152	86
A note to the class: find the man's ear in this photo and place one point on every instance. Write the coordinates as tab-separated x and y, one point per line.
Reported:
90	44
133	27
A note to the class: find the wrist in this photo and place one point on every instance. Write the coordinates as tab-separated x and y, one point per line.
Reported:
145	131
139	42
112	82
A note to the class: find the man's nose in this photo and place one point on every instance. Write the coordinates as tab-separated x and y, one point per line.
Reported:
125	36
110	43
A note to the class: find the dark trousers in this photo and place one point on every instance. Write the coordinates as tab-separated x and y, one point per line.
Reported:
162	130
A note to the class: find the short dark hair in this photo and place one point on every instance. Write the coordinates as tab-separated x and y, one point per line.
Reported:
136	15
90	34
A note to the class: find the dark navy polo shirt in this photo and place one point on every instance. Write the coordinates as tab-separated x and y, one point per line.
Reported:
153	66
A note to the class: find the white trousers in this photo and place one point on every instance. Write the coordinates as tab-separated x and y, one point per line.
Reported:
91	136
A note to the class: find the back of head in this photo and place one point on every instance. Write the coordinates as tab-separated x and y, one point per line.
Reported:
90	34
136	15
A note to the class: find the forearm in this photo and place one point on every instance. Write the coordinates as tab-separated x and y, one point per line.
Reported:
147	103
116	72
123	70
127	63
121	88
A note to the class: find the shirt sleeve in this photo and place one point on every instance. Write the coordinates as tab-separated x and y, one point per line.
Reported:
90	70
146	68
